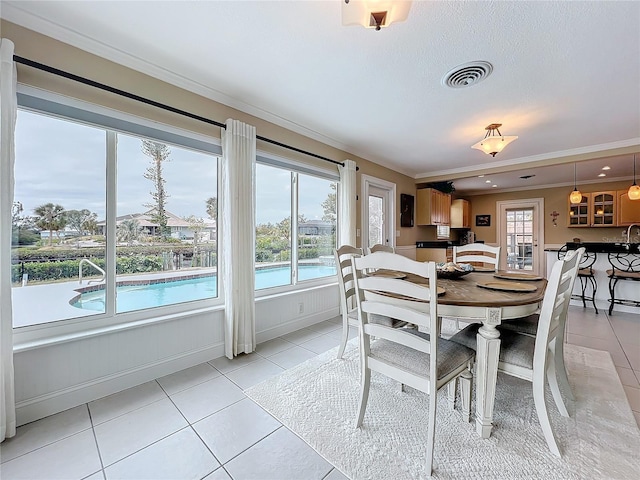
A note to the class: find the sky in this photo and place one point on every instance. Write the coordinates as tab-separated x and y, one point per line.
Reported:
62	162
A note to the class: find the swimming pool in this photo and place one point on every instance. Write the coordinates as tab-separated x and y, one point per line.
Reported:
138	297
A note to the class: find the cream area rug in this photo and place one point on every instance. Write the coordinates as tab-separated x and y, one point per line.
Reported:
318	401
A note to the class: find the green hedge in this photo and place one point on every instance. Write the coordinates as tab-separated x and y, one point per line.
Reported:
27	254
68	269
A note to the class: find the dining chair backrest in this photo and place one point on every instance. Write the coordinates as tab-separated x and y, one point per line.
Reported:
477	253
404	289
555	306
399	299
346	281
382	248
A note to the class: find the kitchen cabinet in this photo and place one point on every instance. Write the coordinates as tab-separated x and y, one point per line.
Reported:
433	207
460	214
603	209
628	210
580	213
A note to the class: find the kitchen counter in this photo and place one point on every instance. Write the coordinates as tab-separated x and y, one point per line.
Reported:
606	247
438	244
628	290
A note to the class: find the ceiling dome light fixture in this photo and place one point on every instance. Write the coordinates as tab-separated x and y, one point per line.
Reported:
575	197
493	143
634	190
374	13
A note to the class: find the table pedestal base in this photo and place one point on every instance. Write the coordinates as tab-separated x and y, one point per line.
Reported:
487	357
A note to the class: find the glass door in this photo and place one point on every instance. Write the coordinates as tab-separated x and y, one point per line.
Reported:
520	233
378	220
519	239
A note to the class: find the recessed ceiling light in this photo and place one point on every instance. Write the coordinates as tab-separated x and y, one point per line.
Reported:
494	186
480	176
602	175
487	181
606	168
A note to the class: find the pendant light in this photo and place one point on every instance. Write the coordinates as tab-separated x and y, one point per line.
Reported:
634	190
492	143
575	197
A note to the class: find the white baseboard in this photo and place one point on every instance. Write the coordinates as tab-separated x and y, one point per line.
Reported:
42	406
54	402
296	324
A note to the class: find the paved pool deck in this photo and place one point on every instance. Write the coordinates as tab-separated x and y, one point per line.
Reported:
45	303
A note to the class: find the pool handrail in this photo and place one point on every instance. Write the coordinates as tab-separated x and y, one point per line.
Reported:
86	260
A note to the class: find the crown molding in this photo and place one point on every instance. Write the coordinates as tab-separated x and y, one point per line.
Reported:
563	156
492	191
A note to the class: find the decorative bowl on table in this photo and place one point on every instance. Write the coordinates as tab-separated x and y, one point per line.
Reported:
453	270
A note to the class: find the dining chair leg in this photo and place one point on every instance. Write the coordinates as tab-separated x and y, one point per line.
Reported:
451	393
431	430
465	394
345	336
543	414
364	395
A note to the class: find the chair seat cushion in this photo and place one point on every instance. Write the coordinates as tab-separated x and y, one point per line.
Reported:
585	272
527	325
515	348
450	355
623	275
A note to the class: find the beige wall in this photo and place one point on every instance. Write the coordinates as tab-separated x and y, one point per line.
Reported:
43	49
555	199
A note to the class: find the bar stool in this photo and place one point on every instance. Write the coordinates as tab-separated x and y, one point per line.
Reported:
586	276
624	266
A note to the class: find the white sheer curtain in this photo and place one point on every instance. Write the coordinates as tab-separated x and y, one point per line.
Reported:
8	112
347	203
238	236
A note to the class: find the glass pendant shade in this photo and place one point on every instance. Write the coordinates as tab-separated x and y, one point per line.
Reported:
634	190
575	197
374	13
493	145
493	142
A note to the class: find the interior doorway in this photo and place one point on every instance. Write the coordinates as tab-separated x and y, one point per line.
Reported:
521	235
378	207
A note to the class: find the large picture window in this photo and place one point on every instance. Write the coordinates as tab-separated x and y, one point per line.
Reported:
165	203
279	260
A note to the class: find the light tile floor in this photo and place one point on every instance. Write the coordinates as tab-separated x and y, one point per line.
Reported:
197	423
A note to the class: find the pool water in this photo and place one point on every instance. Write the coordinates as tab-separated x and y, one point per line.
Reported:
137	297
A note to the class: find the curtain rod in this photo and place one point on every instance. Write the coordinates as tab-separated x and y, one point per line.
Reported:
132	96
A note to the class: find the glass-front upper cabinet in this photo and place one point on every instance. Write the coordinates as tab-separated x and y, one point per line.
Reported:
580	213
603	208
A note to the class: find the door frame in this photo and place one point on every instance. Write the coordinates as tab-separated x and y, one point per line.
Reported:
539	264
390	189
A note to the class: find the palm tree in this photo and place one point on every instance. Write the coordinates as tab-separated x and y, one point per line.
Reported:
50	217
128	231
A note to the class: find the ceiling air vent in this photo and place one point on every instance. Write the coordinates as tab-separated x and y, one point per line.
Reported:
468	74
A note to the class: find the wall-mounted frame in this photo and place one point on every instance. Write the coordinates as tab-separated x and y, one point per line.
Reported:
406	210
483	220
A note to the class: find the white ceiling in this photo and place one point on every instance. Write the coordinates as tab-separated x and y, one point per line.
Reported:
566	75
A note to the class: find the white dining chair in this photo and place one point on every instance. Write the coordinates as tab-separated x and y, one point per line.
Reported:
533	358
477	254
418	359
348	306
378	247
529	326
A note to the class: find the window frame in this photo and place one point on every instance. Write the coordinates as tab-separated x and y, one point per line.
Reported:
78	111
113	123
295	169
